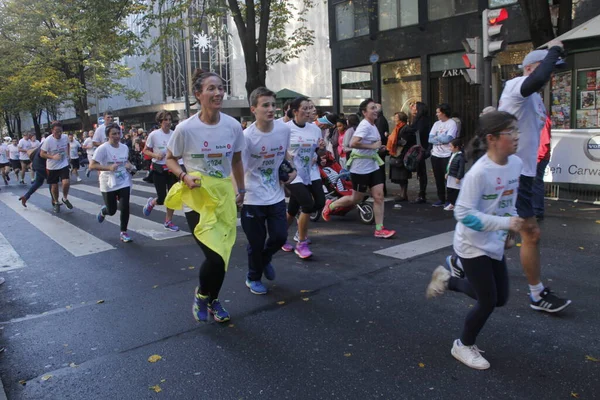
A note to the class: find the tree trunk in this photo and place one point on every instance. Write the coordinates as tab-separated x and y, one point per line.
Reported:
35	117
565	16
81	103
18	124
537	13
7	120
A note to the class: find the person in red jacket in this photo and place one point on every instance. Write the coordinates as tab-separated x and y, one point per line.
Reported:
542	162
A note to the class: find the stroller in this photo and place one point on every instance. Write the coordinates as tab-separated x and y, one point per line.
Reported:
337	184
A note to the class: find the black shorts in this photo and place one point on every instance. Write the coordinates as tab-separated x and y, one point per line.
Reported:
2	165
307	198
55	175
26	162
75	163
362	182
525	197
15	164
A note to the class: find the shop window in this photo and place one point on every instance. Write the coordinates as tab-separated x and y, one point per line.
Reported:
352	19
438	9
355	86
398	13
560	110
587	99
501	3
400	86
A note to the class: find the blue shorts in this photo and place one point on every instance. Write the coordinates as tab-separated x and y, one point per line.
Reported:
525	197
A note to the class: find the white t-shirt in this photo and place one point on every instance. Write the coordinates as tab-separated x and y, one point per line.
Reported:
369	135
262	157
56	146
3	150
100	134
89	142
531	115
303	143
13	152
24	145
105	155
73	149
35	143
207	149
486	201
441	134
158	141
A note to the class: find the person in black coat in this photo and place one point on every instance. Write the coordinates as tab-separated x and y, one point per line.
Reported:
38	165
399	142
384	129
422	125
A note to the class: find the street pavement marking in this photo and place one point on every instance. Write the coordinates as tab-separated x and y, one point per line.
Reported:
140	201
418	247
143	226
10	258
76	241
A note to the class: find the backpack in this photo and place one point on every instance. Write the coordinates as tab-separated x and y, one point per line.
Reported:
413	157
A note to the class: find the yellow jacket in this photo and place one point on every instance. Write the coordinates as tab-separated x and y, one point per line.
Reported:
214	200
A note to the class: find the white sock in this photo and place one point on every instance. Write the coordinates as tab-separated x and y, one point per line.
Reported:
460	344
535	291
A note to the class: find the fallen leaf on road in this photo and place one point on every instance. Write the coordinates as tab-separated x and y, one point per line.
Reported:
421	365
231	325
305	299
154	287
191	267
590	358
347	354
156	388
100	302
580	248
576	395
73	365
23	382
518	244
305	291
68	307
281	302
46	377
598	221
562	209
163	380
154	358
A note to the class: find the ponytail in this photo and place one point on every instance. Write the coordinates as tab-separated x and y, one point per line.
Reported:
490	123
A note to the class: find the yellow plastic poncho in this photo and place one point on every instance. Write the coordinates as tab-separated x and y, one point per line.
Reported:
214	200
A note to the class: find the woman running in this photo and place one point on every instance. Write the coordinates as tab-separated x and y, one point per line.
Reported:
111	159
211	145
485	211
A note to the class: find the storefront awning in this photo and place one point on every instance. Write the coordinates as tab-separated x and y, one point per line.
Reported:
583	31
288	94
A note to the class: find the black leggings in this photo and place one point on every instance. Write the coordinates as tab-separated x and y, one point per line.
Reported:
487	282
110	199
162	183
439	166
452	195
212	270
309	198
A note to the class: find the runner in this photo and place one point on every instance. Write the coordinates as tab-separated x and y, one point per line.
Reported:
485	211
156	147
13	157
306	190
4	162
211	145
100	133
38	165
35	143
56	149
74	147
264	204
88	146
111	159
364	165
24	145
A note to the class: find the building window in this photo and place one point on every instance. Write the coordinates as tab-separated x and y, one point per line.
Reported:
400	86
438	9
501	3
398	13
352	19
355	86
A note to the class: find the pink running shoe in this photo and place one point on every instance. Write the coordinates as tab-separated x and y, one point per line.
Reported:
384	233
302	250
287	247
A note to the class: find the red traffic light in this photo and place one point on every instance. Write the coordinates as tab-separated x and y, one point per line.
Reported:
497	16
466	60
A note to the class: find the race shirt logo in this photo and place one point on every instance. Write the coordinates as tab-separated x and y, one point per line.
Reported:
197	155
489	197
215	155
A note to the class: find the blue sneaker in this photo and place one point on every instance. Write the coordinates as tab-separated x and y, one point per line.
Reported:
269	272
171	226
148	207
256	287
438	204
200	309
102	214
217	311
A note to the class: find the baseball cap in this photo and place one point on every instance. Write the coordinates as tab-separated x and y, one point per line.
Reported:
327	119
536	56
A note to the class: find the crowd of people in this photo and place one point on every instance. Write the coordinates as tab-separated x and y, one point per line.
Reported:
212	165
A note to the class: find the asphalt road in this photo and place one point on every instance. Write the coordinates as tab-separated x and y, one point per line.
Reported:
348	324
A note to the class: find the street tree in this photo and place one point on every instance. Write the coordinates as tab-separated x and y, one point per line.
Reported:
538	15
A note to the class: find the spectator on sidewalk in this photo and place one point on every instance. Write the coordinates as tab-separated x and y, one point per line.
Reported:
442	133
420	122
384	130
455	173
402	138
542	162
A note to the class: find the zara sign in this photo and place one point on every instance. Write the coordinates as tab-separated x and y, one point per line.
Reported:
448	73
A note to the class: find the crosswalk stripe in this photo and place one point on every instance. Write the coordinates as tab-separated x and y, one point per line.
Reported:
418	247
76	241
10	258
138	200
147	189
139	225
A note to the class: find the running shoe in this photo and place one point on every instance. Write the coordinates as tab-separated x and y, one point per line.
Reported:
302	250
23	201
469	355
87	172
439	282
102	214
124	236
549	302
56	207
79	179
287	247
326	210
438	204
384	233
169	225
67	203
148	207
256	287
449	207
200	309
454	266
217	311
397	206
269	272
297	239
419	200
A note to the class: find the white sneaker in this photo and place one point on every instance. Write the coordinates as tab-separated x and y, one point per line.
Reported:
469	355
1	280
79	179
397	206
449	207
439	282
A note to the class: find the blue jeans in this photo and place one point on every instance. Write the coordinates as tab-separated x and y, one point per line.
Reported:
39	181
538	189
257	222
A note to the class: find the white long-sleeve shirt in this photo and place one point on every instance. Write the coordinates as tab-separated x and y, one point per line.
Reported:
484	206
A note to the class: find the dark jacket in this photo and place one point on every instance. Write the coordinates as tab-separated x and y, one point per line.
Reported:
423	126
38	164
456	169
382	126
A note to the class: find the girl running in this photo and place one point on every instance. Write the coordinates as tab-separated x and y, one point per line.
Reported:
4	162
211	145
485	211
111	158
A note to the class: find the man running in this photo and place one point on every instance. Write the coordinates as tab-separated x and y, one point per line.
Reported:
100	134
88	146
55	149
74	147
24	145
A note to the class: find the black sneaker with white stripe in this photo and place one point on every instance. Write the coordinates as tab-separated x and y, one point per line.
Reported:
549	302
454	267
